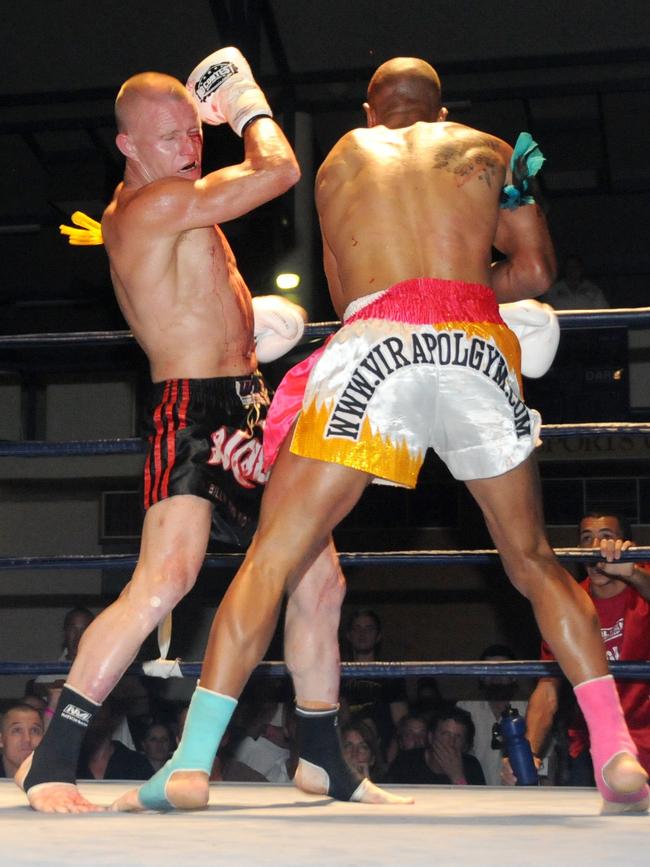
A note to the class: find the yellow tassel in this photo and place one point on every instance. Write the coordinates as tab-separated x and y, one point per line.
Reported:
89	233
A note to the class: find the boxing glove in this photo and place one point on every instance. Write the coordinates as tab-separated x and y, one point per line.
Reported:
278	325
538	330
225	90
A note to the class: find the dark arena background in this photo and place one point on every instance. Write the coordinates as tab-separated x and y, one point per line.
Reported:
574	74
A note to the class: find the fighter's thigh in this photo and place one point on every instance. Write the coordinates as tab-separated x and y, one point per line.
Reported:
512	506
305	497
176	531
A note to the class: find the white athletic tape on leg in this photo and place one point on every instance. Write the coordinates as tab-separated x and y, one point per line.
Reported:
165	635
164	668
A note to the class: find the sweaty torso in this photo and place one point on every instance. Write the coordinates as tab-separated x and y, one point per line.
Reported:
182	296
415	202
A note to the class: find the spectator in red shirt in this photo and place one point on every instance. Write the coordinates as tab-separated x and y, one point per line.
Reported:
620	592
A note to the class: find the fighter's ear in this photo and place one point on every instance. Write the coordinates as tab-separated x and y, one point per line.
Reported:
125	145
370	115
442	114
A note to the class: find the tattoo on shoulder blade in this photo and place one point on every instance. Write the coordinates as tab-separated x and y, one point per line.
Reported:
467	158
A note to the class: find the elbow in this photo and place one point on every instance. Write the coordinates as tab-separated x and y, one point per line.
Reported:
286	174
541	274
291	173
548	272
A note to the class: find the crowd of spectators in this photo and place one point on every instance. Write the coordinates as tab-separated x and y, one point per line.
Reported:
389	733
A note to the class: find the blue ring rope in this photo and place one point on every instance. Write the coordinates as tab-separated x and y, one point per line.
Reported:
361	670
624	317
136	445
482	557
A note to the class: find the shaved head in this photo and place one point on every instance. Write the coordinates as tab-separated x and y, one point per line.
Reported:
404	87
149	86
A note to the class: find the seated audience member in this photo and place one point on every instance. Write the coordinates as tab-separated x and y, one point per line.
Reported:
445	760
620	592
21	730
103	757
158	744
410	734
267	747
381	702
362	750
35	701
573	291
497	693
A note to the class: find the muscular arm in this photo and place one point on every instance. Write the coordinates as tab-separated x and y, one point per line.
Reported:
269	169
542	707
529	267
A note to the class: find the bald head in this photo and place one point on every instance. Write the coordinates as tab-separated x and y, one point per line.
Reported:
402	91
145	87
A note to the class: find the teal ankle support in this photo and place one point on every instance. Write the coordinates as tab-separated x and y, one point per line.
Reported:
207	718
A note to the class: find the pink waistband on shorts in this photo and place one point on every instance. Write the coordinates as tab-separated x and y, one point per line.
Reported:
428	301
421	301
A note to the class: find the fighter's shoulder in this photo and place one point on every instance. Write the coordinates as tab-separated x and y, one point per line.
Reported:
341	158
472	136
354	139
146	206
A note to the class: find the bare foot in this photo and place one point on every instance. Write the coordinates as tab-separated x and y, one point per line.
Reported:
624	775
369	793
60	798
615	808
313	779
626	781
184	790
54	797
127	803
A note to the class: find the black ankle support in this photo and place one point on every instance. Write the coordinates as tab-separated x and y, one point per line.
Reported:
320	744
55	759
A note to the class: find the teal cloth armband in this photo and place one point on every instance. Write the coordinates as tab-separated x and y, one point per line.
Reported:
527	159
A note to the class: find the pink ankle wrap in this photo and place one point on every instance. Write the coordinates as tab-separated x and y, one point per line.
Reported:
608	732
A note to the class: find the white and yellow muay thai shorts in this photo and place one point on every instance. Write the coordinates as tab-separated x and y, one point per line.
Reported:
424	364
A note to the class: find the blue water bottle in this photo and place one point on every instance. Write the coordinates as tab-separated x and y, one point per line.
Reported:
517	748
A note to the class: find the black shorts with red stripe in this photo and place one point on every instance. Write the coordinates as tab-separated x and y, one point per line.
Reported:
205	438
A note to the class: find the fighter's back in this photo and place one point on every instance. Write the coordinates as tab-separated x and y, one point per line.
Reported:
420	201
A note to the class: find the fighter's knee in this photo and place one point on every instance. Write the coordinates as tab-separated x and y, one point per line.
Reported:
528	564
334	590
162	588
320	603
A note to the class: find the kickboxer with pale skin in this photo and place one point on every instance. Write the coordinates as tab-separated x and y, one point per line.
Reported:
410	210
178	286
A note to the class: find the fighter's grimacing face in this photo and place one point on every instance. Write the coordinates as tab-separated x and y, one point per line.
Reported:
166	139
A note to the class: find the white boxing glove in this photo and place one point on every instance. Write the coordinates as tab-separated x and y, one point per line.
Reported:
278	324
225	91
538	329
